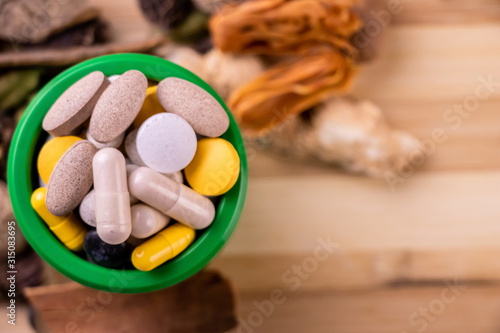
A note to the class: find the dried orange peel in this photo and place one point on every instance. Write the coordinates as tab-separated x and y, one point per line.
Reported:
284	26
289	88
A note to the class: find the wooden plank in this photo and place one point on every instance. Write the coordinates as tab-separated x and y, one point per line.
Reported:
357	269
205	302
446	12
465	307
434	226
430	210
432	63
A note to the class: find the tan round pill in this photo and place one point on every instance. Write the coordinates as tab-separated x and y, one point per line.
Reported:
75	105
200	109
118	106
71	179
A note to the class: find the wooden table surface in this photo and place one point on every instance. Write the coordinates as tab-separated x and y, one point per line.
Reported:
420	257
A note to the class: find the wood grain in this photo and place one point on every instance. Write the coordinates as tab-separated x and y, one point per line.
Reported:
436	225
401	310
203	303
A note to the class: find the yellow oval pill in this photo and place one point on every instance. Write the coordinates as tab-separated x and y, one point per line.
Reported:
215	167
164	246
50	154
69	229
150	107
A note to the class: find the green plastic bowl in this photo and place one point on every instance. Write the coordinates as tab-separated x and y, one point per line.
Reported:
23	180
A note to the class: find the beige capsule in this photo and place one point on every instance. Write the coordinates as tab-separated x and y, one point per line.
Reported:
147	221
171	198
112	200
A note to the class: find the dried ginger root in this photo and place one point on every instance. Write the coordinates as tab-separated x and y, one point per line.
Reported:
352	134
225	72
285	27
290	88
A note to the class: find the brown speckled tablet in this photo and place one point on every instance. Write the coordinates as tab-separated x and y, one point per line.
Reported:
75	105
200	109
71	179
118	106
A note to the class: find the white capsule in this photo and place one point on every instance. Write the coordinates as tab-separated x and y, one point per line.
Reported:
112	202
171	198
147	221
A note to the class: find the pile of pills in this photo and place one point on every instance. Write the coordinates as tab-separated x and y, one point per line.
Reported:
133	169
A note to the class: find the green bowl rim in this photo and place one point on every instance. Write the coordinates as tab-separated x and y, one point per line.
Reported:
20	173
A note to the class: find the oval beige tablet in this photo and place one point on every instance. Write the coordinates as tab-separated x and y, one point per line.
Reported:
71	179
118	106
75	105
200	109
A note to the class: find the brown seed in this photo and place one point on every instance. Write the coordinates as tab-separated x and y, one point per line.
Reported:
71	178
75	105
200	109
118	106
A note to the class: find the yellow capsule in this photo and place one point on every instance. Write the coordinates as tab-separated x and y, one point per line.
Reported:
50	154
150	107
164	246
215	167
69	229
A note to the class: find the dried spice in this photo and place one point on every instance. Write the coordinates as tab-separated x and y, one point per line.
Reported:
285	27
16	87
71	55
213	6
226	72
166	13
7	127
183	56
352	134
290	88
192	29
85	34
367	40
33	21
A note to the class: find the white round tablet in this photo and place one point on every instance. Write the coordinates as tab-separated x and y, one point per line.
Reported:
166	142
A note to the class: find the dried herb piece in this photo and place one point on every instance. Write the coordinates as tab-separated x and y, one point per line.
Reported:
7	127
350	133
85	34
16	87
71	55
226	72
284	27
166	13
290	88
213	6
33	21
192	29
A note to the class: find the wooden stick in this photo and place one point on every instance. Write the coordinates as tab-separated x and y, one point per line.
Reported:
203	303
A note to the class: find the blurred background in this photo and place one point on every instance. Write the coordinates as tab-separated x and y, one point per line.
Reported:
373	143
